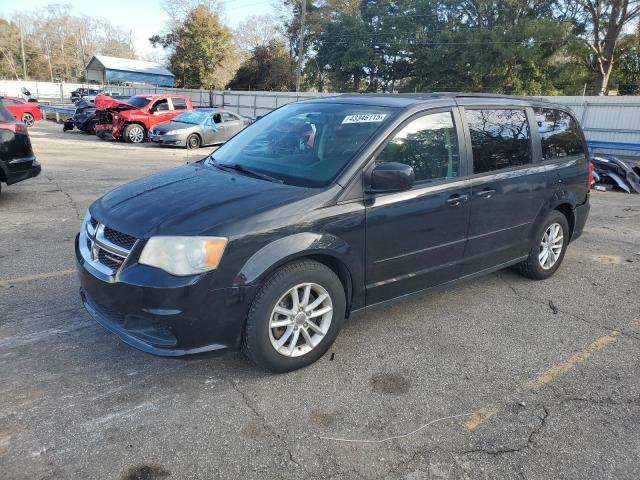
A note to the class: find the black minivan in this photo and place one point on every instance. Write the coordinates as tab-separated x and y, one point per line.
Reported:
328	207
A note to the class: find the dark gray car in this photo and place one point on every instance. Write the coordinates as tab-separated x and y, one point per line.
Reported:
197	128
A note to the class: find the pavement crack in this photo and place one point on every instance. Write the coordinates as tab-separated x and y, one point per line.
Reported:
564	312
530	440
268	427
66	194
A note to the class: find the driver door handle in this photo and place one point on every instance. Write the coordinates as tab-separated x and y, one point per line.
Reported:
457	199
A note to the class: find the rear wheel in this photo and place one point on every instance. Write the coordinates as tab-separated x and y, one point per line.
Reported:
28	119
193	141
549	248
295	317
134	133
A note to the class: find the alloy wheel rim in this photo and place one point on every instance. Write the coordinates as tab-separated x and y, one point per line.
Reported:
551	246
193	142
28	119
136	135
300	319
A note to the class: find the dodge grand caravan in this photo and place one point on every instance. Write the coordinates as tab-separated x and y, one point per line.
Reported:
328	207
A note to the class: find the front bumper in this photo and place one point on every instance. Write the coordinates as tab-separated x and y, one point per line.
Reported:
21	169
183	316
107	131
173	140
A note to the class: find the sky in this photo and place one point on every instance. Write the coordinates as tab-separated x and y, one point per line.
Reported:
143	18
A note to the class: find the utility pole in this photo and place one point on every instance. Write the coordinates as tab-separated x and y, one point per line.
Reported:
24	60
303	14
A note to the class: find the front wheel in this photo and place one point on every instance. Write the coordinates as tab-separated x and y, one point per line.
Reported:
28	119
295	317
134	133
193	141
549	247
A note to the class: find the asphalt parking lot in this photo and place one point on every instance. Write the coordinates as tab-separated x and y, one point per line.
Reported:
541	378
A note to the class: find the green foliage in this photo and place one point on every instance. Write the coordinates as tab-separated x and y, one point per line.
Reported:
270	67
534	47
200	44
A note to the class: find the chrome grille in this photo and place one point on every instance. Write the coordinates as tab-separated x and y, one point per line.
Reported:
119	238
103	247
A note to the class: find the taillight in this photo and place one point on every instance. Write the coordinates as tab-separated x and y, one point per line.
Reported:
15	127
590	176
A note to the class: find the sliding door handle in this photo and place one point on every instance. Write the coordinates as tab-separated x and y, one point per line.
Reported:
457	199
486	193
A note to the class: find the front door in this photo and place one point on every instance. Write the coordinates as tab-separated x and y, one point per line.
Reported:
506	187
415	239
232	124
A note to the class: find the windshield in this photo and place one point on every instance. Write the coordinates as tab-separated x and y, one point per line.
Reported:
304	144
196	117
138	101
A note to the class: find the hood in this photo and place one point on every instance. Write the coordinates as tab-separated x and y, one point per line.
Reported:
103	102
189	200
172	125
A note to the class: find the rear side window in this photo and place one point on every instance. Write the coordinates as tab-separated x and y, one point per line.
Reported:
559	133
179	103
429	145
499	139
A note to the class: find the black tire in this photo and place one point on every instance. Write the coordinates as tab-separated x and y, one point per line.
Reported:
28	119
131	135
193	141
531	267
91	127
257	341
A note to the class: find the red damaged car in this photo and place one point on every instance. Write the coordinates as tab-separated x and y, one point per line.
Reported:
27	112
132	119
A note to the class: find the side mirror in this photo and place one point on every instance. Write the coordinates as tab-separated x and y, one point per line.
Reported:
391	177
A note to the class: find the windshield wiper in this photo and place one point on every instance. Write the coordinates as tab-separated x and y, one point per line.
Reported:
241	168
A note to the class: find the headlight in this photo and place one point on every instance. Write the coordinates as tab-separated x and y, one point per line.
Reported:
183	255
172	132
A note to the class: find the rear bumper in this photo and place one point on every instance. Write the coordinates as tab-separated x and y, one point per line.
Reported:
179	318
21	169
581	213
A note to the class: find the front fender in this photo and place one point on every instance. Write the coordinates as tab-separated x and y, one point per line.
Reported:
285	249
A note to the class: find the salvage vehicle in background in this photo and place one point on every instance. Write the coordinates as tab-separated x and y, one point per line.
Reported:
79	93
612	172
132	119
17	161
197	128
84	117
327	207
23	110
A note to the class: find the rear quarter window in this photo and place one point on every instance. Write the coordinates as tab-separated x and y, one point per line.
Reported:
559	134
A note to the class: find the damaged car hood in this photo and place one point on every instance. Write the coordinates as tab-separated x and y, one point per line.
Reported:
104	102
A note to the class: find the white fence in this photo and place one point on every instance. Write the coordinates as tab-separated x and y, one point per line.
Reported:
603	118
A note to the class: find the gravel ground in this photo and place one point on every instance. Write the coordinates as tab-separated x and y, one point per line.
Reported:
541	376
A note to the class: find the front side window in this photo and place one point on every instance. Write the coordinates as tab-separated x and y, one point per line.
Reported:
499	139
305	144
429	145
161	105
229	117
559	133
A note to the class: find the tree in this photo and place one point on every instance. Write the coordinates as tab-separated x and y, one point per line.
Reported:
10	58
270	67
627	75
201	47
257	31
606	19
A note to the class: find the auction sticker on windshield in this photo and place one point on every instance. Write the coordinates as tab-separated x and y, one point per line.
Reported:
365	118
